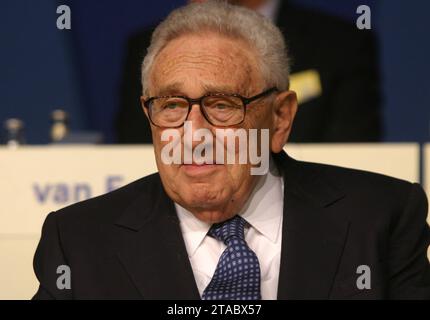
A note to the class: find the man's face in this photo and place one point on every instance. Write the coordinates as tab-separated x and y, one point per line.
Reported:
194	65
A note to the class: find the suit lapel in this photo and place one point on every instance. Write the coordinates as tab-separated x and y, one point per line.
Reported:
314	232
151	248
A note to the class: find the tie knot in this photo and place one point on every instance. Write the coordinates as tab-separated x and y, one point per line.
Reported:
229	229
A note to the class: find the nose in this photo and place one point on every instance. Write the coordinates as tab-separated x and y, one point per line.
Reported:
198	121
197	117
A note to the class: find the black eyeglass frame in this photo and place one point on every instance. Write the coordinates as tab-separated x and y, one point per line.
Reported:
245	101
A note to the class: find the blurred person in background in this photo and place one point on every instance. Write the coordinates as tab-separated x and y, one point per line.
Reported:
334	69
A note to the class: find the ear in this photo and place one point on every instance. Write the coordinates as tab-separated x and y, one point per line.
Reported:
142	103
284	111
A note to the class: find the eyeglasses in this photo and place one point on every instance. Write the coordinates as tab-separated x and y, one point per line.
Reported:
221	110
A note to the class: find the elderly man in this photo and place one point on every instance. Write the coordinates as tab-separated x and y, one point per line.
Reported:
334	70
211	229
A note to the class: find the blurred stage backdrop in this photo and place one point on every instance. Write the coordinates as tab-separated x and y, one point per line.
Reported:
79	70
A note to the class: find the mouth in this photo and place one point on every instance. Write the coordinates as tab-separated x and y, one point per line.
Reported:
199	169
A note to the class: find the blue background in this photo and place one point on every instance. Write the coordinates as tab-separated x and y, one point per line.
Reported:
43	68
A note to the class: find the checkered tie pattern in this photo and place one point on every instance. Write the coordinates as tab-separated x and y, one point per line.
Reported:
237	275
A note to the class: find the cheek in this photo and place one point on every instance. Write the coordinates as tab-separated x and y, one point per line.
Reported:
164	148
240	182
168	172
260	118
169	175
237	176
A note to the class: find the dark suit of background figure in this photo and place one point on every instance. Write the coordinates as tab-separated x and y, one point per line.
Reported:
128	243
348	110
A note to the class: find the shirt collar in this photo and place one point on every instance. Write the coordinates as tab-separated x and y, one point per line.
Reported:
264	208
263	211
193	229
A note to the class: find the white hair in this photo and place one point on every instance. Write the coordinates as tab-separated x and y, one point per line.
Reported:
231	21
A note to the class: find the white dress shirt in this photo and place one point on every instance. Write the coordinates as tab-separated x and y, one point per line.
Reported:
263	234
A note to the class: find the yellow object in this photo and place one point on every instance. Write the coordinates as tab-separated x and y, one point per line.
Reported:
307	85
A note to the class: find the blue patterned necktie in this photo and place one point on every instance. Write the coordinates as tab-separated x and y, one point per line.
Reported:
237	275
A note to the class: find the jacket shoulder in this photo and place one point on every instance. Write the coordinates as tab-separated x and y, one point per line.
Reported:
350	179
364	189
108	207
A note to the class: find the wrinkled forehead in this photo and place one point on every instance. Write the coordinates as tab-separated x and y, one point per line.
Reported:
205	63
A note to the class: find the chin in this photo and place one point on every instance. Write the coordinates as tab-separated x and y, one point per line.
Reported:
203	203
213	216
207	207
207	194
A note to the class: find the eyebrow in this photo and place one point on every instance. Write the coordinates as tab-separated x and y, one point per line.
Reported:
220	89
175	88
170	89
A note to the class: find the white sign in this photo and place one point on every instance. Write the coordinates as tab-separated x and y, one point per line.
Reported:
37	180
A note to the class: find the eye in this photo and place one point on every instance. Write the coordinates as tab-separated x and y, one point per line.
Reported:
221	106
171	105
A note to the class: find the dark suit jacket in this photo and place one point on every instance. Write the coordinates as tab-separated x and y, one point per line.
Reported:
346	59
128	243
